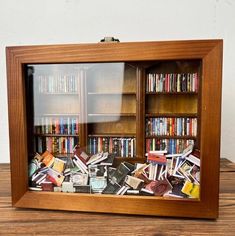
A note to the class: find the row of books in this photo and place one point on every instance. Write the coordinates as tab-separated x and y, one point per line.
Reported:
122	147
58	145
58	83
173	82
57	125
172	146
173	126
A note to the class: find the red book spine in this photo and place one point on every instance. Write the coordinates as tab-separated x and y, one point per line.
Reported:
157	159
57	126
147	145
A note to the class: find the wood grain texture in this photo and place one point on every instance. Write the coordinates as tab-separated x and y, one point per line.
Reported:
131	51
46	222
207	51
211	86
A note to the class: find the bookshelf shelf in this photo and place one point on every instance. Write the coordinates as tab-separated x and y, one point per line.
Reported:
171	115
121	98
56	135
169	137
65	93
59	114
111	93
113	135
112	114
171	93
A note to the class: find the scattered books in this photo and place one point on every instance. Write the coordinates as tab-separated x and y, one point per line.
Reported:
163	174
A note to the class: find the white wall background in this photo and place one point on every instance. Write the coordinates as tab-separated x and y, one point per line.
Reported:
28	22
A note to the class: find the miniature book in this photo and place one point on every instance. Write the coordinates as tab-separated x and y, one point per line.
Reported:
120	173
159	187
48	159
58	165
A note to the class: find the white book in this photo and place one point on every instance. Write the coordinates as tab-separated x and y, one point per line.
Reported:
193	159
187	153
154	145
159	152
155	172
122	148
160	173
166	170
120	190
41	179
35	189
174	155
103	157
80	168
146	191
152	171
94	158
124	190
80	162
132	147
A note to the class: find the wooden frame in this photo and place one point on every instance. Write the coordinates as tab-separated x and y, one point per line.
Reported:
210	53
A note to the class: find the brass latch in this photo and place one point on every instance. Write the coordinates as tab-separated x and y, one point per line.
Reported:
109	39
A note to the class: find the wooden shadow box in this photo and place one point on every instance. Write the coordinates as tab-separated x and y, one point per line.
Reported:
112	96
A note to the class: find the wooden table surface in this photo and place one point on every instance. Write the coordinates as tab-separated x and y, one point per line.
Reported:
42	222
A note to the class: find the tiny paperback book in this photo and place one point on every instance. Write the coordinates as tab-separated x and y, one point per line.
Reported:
55	177
159	188
48	159
59	165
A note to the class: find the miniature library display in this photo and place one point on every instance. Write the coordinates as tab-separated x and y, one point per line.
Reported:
122	124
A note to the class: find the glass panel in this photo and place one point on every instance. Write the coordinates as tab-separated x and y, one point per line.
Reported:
53	108
82	121
111	107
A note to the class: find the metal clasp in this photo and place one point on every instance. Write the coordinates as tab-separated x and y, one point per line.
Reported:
109	39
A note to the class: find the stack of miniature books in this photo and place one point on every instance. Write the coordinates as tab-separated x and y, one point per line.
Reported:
168	175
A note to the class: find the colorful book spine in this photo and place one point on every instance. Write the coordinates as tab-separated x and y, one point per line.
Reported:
172	146
173	82
56	145
57	125
171	126
122	147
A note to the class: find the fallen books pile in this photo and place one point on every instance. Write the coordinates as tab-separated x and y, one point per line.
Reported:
176	175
